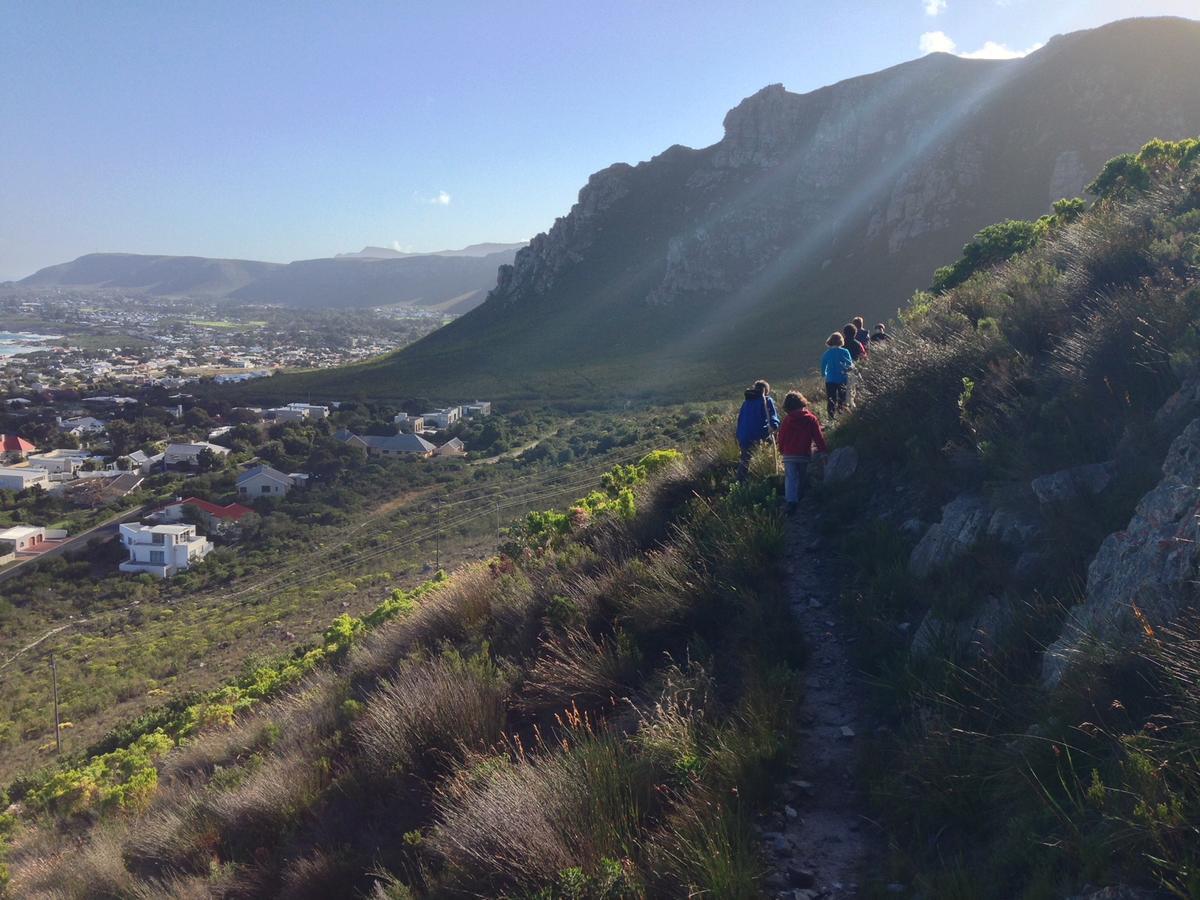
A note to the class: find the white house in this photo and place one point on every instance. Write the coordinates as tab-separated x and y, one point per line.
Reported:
265	481
478	408
162	550
442	418
19	478
24	537
83	425
313	411
143	463
60	462
296	412
189	454
452	447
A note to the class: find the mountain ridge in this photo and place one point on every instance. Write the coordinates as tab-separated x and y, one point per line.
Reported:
446	280
813	207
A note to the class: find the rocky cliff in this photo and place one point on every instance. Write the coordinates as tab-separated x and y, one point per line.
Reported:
704	267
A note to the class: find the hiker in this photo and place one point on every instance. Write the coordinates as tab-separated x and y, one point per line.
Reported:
856	347
836	365
799	433
880	336
758	421
860	331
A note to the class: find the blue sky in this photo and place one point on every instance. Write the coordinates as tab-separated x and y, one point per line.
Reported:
289	130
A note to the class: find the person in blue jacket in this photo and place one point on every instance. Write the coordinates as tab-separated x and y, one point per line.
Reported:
757	421
836	365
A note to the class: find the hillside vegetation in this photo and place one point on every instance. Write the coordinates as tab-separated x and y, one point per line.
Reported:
1051	392
597	712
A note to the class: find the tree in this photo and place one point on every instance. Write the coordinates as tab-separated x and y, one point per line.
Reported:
208	460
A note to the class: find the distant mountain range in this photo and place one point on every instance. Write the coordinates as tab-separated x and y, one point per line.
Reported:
453	281
703	269
389	253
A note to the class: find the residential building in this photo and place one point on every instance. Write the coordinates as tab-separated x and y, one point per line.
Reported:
20	478
265	481
13	447
162	550
409	424
442	419
189	454
83	425
65	462
478	408
313	411
23	537
215	518
142	462
395	444
296	412
452	447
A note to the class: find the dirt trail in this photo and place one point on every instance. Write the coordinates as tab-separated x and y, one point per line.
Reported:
819	840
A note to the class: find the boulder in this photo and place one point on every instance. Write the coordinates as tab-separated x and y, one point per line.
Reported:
973	635
841	465
1013	529
964	522
1151	565
1072	483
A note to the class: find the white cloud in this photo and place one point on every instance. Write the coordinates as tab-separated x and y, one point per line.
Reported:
442	199
936	42
994	50
940	42
935	7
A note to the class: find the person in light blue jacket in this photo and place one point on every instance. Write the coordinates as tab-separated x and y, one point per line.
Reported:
836	365
757	421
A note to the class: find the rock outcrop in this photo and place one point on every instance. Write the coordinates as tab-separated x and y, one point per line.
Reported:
1149	569
1070	484
964	521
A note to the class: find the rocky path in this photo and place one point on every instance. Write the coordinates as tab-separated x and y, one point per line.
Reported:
819	840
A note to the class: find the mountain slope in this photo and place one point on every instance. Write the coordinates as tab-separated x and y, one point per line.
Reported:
702	268
163	275
470	250
455	281
419	280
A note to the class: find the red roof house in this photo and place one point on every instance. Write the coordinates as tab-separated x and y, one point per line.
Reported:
213	516
15	445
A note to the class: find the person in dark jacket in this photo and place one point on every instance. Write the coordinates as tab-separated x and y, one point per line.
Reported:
757	421
798	435
856	347
880	336
860	332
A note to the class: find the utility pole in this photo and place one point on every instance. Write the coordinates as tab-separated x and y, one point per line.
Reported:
437	540
497	523
57	721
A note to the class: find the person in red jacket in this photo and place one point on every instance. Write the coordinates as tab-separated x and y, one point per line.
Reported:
798	435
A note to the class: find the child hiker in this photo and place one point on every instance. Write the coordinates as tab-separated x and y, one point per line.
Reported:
799	433
836	365
757	421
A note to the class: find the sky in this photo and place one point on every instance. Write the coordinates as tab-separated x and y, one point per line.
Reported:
292	130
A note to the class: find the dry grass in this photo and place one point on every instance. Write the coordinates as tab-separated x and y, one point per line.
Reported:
570	806
432	712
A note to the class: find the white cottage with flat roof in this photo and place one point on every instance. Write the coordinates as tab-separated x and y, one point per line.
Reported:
20	478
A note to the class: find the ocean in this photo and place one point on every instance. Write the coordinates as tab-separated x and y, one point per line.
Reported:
14	343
